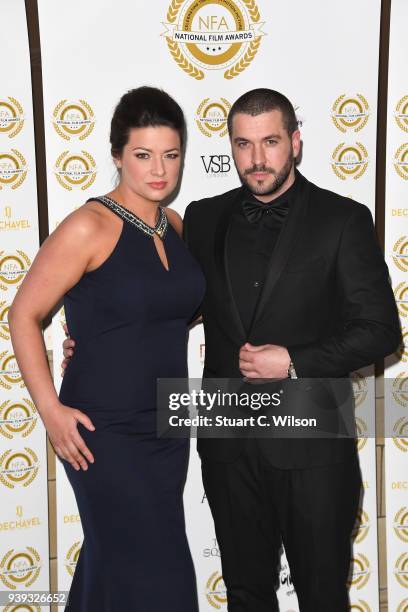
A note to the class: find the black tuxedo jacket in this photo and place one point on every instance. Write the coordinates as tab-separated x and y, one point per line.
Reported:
326	297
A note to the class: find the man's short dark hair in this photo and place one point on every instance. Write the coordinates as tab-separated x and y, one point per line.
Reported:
258	101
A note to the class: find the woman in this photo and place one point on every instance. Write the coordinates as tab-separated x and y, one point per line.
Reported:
130	289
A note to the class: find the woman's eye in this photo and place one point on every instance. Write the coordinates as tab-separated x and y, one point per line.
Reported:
172	155
142	155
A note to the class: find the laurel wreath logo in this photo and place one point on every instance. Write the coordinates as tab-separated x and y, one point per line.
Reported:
31	470
197	73
19	178
6	571
400	389
72	557
5	280
340	123
402	106
200	109
339	169
60	131
14	127
59	163
400	156
361	571
401	571
13	425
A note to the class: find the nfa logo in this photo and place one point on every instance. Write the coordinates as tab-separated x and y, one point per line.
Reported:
401	161
402	352
403	607
349	160
211	117
400	389
4	326
359	384
71	558
13	268
216	165
401	570
400	253
213	35
401	524
9	372
20	568
75	170
11	117
18	468
216	591
401	114
361	430
401	298
350	113
73	119
13	169
361	571
17	418
361	527
360	606
400	437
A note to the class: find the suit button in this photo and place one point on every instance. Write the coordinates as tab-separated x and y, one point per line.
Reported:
257	284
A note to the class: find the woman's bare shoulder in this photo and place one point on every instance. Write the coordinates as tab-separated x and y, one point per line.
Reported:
175	220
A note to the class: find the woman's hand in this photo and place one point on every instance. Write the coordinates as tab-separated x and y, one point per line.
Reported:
61	426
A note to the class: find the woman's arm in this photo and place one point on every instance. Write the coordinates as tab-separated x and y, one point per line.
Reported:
59	264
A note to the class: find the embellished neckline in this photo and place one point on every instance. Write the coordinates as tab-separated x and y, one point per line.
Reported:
160	228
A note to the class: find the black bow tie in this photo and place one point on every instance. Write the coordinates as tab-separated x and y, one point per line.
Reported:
254	210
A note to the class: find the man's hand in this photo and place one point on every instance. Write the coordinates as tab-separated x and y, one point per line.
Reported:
68	349
265	361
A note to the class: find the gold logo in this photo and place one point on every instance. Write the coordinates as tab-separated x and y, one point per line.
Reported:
359	384
361	571
73	119
401	524
17	418
211	117
350	113
216	591
401	161
13	268
402	352
22	608
8	223
213	35
401	114
400	253
71	558
4	326
401	570
9	372
403	607
400	389
400	430
13	169
20	568
349	160
11	117
18	468
361	527
360	606
401	298
75	170
361	428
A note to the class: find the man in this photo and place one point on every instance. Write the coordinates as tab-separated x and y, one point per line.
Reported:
296	286
296	283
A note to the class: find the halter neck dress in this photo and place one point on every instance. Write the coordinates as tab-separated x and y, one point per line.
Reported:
129	319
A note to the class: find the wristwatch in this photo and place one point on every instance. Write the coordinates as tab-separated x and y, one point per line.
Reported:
291	370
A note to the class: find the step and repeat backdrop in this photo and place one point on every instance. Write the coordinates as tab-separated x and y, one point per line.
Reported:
24	549
396	250
205	53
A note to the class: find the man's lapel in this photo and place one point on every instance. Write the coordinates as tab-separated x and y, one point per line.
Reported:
286	241
220	247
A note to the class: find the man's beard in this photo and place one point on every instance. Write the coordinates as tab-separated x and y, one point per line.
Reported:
280	177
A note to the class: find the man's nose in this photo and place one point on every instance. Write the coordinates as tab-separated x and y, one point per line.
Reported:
258	155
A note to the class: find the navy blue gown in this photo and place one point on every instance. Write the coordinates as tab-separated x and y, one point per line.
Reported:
129	319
